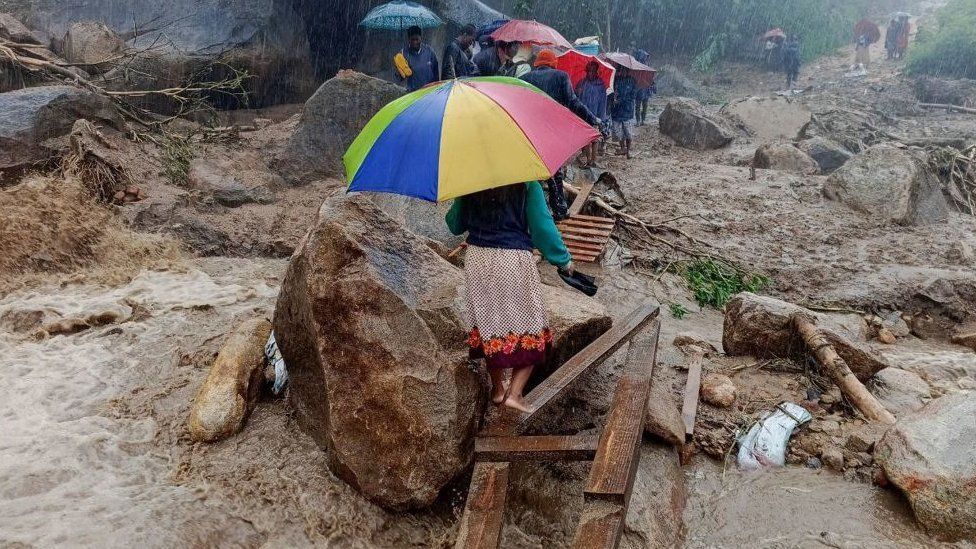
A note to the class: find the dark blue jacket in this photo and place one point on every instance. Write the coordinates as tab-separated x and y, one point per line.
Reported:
487	61
624	99
457	64
423	63
557	85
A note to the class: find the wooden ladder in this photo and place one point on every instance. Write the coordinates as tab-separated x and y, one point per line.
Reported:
586	236
615	454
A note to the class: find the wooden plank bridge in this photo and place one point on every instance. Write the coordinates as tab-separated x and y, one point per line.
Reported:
615	453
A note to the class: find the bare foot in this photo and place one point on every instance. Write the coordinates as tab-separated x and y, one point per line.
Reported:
517	403
498	394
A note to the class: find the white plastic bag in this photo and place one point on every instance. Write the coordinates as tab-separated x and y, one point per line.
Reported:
273	356
765	443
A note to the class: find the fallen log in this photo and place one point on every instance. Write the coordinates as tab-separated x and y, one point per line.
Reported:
840	372
947	107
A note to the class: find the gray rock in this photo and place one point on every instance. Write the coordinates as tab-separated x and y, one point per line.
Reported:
93	44
419	216
891	184
654	518
896	324
761	326
833	459
899	391
931	457
331	120
671	82
828	154
769	117
13	30
30	116
785	157
691	126
370	322
663	419
218	180
961	253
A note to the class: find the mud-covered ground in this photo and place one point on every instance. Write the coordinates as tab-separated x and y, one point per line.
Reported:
100	368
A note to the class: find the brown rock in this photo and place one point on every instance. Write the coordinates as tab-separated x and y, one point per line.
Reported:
369	321
691	126
663	419
885	336
654	517
686	339
761	326
770	117
833	459
232	387
965	339
899	391
785	157
94	45
718	390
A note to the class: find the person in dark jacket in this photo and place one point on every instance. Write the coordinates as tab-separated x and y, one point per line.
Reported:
507	319
558	86
623	108
490	59
421	59
513	66
791	61
457	56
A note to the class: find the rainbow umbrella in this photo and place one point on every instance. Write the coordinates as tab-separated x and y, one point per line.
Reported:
459	137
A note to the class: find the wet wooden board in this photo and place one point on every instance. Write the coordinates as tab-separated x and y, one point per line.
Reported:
689	409
512	422
612	475
600	526
584	231
537	448
585	188
484	510
606	223
579	229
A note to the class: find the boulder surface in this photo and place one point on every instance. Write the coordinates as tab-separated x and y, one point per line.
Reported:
370	323
692	127
330	121
829	155
762	327
891	184
931	457
769	117
785	157
899	391
92	44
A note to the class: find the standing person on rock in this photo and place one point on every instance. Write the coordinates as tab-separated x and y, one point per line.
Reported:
457	56
416	64
643	94
904	34
891	39
862	49
791	61
622	111
509	325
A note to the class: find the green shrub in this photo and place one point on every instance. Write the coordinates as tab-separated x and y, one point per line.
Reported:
678	310
948	46
713	284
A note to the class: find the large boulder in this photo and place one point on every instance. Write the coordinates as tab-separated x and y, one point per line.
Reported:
220	180
899	391
370	323
93	45
828	154
784	157
931	457
769	117
762	326
890	183
931	89
331	120
30	116
13	30
671	82
691	126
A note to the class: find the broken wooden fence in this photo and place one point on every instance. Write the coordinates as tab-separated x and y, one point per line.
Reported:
615	454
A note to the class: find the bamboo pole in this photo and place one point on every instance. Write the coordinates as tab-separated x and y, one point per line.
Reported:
840	372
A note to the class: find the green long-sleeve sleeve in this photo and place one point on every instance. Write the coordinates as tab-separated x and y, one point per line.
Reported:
453	219
545	235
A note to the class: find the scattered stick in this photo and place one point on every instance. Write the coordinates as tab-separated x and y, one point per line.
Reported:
947	107
840	372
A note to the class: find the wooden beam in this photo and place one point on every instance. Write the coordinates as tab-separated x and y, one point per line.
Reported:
511	422
586	187
539	448
689	410
484	510
615	465
600	525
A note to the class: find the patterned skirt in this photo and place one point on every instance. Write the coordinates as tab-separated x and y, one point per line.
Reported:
506	315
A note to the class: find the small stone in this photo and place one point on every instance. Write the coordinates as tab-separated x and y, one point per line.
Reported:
833	459
825	426
119	196
132	189
718	390
961	253
685	339
814	463
865	458
860	442
885	336
896	324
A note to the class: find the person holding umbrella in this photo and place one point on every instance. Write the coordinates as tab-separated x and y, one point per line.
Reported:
457	56
622	111
416	64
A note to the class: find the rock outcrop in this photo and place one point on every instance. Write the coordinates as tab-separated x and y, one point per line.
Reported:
30	116
330	121
369	321
891	184
899	391
692	127
828	154
761	326
218	181
233	385
769	118
785	157
930	456
92	44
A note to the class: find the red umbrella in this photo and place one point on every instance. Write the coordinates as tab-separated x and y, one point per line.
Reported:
776	33
532	32
642	73
867	27
574	63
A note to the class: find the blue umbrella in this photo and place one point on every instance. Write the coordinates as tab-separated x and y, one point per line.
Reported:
400	15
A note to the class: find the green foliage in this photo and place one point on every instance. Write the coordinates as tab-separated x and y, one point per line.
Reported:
523	8
177	156
678	310
714	284
948	47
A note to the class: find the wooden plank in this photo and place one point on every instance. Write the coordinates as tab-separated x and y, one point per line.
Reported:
598	241
484	510
689	409
582	252
585	188
600	526
595	248
571	222
512	422
583	258
591	217
591	232
538	448
612	475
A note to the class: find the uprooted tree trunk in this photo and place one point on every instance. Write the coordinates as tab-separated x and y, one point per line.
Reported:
840	372
93	160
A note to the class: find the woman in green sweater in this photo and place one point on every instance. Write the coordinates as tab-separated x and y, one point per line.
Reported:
509	325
